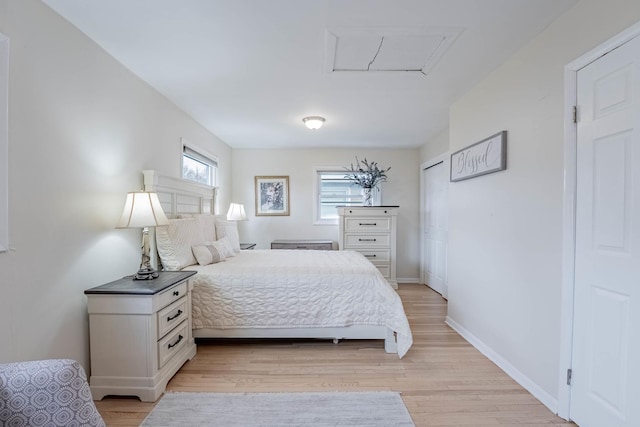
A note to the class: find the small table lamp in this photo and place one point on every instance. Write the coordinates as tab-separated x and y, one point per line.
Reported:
236	212
143	210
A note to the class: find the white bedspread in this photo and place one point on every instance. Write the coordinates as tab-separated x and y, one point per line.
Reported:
295	288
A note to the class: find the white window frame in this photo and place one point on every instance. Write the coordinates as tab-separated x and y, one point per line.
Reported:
317	173
202	156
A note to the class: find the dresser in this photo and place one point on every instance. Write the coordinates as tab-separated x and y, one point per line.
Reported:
371	230
139	334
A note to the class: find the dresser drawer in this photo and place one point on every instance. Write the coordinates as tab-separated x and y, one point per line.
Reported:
377	256
367	224
367	240
171	295
171	316
172	343
364	212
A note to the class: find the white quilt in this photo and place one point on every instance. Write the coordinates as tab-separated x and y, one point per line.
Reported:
292	288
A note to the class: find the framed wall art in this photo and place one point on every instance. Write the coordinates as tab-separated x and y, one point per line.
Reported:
272	195
481	158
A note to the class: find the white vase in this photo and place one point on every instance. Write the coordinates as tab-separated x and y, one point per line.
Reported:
367	197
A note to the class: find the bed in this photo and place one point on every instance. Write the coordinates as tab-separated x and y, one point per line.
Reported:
270	293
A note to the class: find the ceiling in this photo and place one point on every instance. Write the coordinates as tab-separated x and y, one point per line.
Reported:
250	70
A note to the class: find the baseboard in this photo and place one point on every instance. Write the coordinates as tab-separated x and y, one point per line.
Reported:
526	382
410	280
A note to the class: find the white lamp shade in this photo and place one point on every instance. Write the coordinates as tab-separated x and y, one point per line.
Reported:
142	209
313	122
236	212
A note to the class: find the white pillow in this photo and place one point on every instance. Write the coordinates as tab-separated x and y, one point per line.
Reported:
175	241
207	224
228	229
225	246
209	253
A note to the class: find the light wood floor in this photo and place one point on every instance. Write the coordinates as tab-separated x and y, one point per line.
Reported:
443	380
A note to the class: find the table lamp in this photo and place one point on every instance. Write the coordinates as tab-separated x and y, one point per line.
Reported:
143	210
236	212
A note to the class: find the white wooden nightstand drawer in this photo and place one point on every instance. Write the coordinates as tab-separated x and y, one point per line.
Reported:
367	240
170	317
172	343
172	294
367	224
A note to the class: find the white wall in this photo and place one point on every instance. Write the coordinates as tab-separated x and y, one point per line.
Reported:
435	147
505	229
81	129
401	189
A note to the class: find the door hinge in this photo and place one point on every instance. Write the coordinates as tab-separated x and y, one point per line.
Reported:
575	114
569	373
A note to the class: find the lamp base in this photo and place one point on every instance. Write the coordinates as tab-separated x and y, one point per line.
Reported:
145	274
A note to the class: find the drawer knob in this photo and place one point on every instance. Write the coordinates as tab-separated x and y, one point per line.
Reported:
170	318
368	223
175	343
370	256
367	240
176	293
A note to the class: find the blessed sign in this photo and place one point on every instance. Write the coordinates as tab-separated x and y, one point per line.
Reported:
481	158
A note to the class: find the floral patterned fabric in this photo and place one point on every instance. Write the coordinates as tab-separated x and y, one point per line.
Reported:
46	393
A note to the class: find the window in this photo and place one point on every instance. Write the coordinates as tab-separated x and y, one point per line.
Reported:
199	166
332	190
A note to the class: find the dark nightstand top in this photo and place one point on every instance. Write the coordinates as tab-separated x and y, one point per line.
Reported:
128	286
245	246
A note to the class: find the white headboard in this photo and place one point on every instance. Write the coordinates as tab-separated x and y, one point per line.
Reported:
178	196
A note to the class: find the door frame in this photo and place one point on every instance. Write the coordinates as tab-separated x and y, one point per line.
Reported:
445	160
4	143
569	208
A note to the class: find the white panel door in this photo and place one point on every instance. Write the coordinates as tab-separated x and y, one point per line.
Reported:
435	229
605	387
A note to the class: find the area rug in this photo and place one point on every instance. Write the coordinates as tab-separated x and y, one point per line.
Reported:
320	409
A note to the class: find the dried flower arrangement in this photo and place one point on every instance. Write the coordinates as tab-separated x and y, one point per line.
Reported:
366	174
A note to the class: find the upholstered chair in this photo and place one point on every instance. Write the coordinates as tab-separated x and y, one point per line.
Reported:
46	393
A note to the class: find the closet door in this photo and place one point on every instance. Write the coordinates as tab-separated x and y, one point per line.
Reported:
606	333
435	184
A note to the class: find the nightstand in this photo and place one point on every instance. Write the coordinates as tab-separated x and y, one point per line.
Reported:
247	246
139	334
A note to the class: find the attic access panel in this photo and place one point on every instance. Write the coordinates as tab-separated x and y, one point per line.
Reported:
384	49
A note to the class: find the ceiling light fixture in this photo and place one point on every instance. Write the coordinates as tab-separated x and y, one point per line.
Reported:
313	122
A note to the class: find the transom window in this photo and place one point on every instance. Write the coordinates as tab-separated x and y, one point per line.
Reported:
199	166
